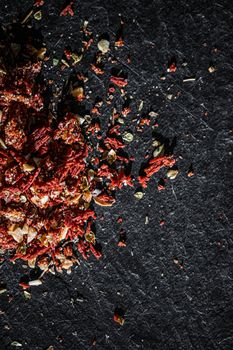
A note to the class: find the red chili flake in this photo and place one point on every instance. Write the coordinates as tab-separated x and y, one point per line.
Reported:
68	10
119	43
190	171
122	239
67	54
172	68
115	130
162	222
178	263
97	70
154	166
161	185
112	142
144	121
118	81
24	285
119	316
53	171
95	110
111	90
95	252
126	111
39	3
121	244
88	43
120	220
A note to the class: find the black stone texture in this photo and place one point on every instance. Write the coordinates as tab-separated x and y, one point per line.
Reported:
166	307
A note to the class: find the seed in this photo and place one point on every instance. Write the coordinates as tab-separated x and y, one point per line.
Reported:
2	290
2	144
76	58
140	106
128	137
212	69
153	114
55	62
159	150
186	80
77	92
35	283
16	344
138	195
172	174
41	53
103	45
28	167
27	295
38	15
90	237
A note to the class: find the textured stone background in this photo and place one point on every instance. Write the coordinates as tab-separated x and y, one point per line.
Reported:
167	308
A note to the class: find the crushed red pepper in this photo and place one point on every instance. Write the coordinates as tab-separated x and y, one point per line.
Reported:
51	172
68	10
121	82
154	165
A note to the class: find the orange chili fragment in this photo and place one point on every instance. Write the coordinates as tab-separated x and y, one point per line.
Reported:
119	316
172	68
118	81
68	10
97	70
154	166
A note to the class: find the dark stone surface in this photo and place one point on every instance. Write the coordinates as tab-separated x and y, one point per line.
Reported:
167	308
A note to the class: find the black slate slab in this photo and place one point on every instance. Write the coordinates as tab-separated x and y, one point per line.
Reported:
166	307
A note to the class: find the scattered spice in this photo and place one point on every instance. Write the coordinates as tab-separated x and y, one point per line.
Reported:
54	169
154	165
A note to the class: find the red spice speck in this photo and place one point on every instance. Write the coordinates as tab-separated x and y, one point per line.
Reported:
121	82
120	220
172	68
39	3
68	10
24	285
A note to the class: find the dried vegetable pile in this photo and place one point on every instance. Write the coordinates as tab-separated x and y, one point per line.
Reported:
54	169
